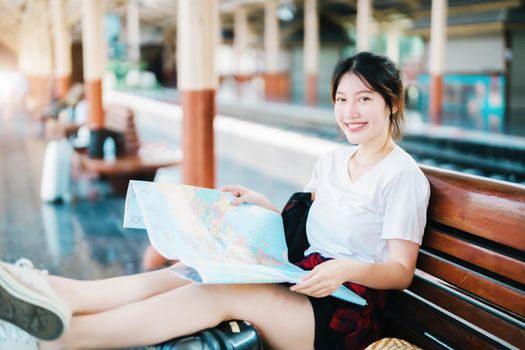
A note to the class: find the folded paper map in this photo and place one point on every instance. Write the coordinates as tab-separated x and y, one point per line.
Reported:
216	241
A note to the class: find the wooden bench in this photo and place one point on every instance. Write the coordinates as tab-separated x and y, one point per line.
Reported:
138	161
468	291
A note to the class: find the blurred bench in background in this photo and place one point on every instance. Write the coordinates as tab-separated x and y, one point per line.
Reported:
134	160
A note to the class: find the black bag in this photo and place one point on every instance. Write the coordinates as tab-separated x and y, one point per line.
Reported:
229	335
294	216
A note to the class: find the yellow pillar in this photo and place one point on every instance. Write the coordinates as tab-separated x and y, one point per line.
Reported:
198	21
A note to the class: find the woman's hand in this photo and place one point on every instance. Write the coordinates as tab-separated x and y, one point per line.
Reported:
324	279
245	195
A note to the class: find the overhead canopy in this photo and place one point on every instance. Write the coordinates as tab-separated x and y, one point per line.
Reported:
337	14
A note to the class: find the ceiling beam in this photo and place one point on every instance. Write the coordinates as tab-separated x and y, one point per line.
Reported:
471	8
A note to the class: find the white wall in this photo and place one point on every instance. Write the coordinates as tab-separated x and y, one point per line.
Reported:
474	54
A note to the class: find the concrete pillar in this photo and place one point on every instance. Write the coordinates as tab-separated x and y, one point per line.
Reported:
275	81
240	44
271	36
93	48
311	50
438	38
364	25
62	45
393	32
133	32
198	80
24	53
36	52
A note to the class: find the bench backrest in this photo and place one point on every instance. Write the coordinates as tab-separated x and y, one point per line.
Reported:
468	291
121	119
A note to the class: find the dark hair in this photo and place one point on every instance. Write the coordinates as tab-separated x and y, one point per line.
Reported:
379	74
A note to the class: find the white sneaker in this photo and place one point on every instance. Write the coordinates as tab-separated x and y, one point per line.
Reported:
28	301
13	338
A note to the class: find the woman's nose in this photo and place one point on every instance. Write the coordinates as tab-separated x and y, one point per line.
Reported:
351	110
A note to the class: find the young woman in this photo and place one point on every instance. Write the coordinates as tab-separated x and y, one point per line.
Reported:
364	229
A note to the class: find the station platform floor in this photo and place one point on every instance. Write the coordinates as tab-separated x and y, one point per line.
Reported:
82	238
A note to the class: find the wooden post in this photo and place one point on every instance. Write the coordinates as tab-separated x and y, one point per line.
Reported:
197	79
168	56
62	45
363	25
311	50
438	37
92	41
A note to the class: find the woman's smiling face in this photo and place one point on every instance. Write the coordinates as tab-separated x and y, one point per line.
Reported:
361	113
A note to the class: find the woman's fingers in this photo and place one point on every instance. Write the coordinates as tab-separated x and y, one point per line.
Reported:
233	189
249	197
315	290
242	194
307	284
315	284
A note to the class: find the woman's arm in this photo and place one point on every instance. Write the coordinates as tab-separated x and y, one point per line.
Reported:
245	195
396	273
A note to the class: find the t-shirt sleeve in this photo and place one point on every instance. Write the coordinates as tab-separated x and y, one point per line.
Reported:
405	202
312	184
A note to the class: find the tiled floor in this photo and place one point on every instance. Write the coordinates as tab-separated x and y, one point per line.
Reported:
83	238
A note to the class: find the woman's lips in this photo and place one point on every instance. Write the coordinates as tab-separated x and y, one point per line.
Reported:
353	127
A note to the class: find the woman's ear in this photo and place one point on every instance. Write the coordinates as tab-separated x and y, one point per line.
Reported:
395	108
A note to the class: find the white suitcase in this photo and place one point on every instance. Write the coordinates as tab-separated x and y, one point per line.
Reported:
56	171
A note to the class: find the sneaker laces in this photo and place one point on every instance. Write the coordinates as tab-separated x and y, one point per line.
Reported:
27	271
28	264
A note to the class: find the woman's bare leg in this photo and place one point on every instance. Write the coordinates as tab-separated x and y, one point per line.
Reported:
284	318
85	297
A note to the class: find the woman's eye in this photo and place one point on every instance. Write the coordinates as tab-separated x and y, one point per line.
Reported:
340	99
364	98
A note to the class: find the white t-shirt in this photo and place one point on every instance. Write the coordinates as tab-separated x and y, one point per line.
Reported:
355	219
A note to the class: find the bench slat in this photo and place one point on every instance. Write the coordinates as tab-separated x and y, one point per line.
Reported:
396	328
494	292
487	320
489	209
474	254
430	322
